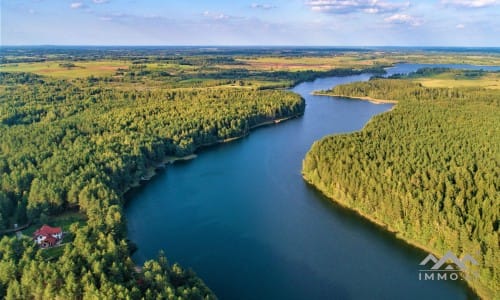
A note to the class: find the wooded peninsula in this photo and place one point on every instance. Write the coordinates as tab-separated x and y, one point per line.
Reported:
427	170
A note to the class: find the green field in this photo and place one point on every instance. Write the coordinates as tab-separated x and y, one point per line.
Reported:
189	67
56	68
258	63
447	58
451	80
315	63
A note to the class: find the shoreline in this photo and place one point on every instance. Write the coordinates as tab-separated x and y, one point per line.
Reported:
261	124
151	171
478	290
365	98
342	204
366	216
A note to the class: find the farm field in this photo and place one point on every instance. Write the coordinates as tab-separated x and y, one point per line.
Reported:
64	69
451	80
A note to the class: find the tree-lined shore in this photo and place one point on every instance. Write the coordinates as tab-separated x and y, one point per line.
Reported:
427	170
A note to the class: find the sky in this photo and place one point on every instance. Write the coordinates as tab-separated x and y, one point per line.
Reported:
471	23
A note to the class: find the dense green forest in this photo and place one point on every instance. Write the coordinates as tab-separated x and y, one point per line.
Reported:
63	143
428	169
98	120
79	144
77	139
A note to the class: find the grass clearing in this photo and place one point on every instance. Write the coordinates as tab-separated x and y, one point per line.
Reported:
108	67
316	63
57	68
450	80
438	58
53	253
63	220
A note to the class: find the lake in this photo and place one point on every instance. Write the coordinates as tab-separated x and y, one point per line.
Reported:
241	216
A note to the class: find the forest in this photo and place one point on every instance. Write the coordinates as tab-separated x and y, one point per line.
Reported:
81	144
427	170
81	126
64	143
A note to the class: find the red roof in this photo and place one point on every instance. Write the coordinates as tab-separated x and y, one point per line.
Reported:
51	240
46	230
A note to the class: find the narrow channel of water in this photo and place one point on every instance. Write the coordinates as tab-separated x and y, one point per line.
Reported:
243	219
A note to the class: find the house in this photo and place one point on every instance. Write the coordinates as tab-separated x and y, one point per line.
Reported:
48	236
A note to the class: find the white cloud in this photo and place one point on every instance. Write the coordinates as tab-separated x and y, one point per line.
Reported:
99	1
460	26
470	3
76	5
404	19
116	16
351	6
216	16
262	6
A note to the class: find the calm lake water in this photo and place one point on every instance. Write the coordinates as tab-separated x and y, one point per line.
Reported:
243	219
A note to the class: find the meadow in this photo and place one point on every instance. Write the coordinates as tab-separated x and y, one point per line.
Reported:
481	59
59	69
453	80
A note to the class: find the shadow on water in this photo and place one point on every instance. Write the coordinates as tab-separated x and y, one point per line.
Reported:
355	220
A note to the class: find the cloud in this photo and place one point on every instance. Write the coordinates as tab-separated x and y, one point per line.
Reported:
100	1
470	3
404	19
116	16
460	26
262	6
352	6
77	5
216	16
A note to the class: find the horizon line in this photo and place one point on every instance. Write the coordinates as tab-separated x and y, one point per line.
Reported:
241	46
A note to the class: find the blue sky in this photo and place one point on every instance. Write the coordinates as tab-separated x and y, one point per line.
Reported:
232	22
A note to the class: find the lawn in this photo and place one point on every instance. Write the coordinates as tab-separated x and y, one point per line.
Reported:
63	220
53	253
